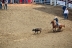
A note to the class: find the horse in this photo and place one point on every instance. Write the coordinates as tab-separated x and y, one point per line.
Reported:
56	27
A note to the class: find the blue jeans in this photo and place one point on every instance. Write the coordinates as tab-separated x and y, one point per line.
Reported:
22	1
57	24
0	6
26	1
16	1
13	1
65	16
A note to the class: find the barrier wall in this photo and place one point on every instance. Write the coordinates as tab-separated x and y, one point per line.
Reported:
20	1
70	4
29	1
42	1
47	1
62	2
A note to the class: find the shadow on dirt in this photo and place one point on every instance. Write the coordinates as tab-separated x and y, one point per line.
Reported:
55	10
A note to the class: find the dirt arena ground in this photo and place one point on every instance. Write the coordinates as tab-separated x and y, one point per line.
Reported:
17	22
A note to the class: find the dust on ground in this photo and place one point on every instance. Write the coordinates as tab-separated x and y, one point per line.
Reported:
17	22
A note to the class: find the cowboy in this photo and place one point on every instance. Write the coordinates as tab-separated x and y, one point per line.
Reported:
56	19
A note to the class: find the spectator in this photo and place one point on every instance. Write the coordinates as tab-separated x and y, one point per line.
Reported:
64	7
66	12
0	4
22	1
12	1
5	4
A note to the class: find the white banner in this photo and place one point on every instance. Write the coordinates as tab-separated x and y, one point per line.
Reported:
61	3
70	5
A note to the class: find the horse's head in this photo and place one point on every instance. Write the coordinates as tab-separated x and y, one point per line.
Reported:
52	21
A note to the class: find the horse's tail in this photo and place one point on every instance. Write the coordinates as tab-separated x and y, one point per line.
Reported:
62	26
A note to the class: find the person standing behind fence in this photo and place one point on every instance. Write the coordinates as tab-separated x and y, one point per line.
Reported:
63	8
0	4
66	12
5	4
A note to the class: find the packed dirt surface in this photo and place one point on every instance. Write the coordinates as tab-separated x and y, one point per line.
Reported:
17	22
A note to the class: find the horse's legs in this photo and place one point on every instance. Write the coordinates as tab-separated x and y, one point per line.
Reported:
54	29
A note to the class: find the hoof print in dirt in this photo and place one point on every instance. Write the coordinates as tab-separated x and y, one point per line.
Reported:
36	30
